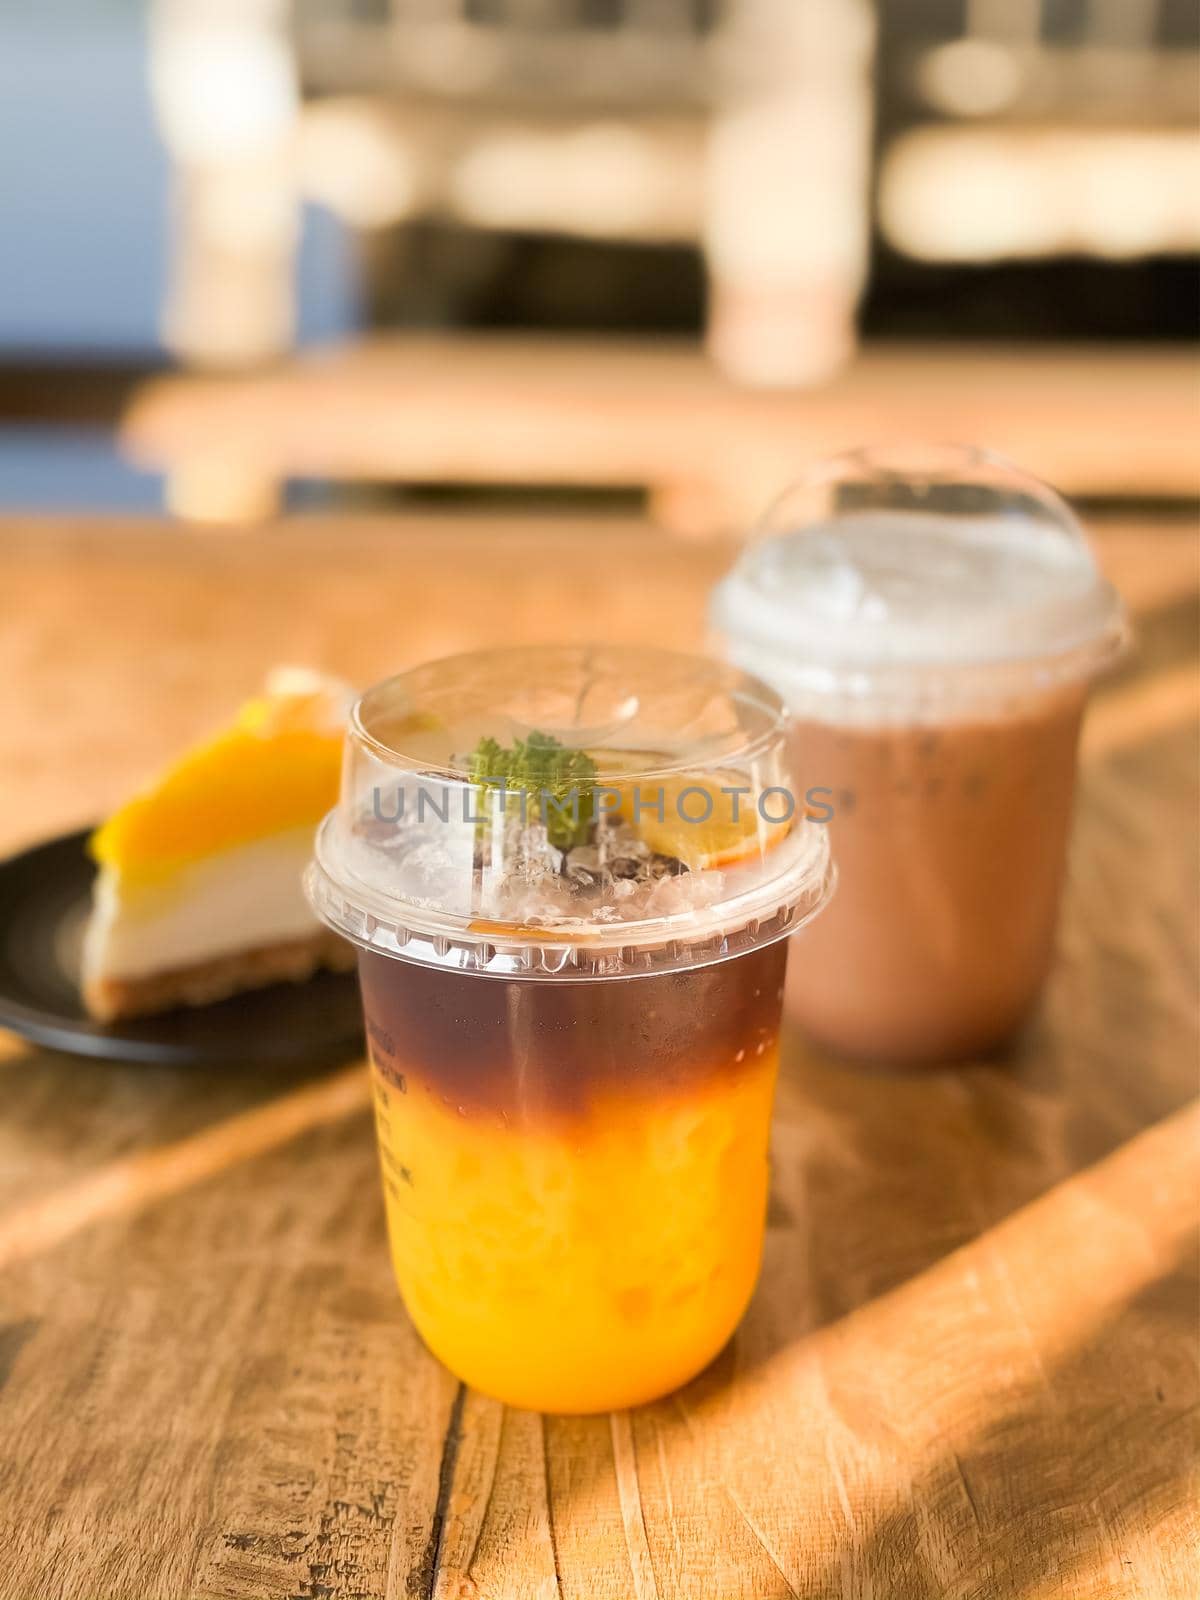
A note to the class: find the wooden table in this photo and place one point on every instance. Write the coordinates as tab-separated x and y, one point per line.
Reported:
969	1369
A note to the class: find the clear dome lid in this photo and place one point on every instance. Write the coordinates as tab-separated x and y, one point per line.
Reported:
888	570
568	812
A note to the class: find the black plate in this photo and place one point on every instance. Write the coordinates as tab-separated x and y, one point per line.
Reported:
44	899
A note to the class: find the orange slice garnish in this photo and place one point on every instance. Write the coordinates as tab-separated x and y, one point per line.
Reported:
703	824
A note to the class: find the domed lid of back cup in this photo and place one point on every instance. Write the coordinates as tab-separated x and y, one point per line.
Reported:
567	812
935	573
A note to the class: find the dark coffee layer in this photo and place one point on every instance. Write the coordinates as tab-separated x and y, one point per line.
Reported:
529	1048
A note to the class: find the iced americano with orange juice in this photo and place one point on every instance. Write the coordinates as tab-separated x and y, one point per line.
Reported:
570	874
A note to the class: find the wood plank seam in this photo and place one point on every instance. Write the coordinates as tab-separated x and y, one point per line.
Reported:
641	1566
493	1465
550	1508
424	1581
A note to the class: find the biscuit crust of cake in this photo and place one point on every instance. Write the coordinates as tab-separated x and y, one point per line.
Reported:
111	999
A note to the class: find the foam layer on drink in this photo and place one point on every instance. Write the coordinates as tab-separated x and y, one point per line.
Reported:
883	588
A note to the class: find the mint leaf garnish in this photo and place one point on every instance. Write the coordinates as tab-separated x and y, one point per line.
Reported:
560	780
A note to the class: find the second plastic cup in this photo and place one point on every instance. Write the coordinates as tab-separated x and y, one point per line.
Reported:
573	1008
934	619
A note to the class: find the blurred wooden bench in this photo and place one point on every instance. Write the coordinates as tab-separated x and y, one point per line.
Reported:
501	410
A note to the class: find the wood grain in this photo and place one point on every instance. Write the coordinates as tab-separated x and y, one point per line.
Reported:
969	1369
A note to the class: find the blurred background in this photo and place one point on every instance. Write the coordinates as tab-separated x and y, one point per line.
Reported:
259	255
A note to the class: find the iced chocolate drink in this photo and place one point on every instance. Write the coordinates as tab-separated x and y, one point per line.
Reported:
934	621
572	950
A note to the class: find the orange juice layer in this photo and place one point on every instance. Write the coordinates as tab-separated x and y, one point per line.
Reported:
584	1265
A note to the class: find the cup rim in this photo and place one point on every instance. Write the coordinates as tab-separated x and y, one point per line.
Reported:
770	910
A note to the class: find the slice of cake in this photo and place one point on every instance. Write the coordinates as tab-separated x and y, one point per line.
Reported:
199	890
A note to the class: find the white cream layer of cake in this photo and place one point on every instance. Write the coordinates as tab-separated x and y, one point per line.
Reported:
235	900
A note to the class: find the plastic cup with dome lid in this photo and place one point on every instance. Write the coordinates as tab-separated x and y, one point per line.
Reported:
934	618
571	874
